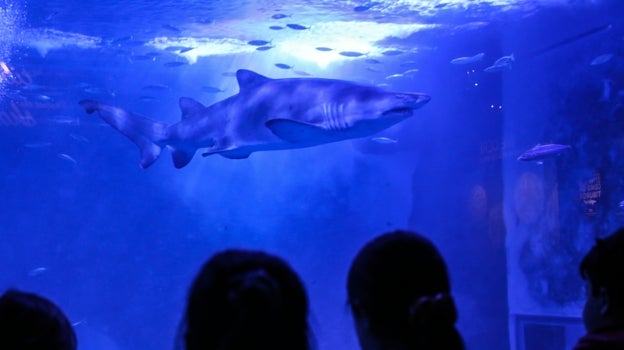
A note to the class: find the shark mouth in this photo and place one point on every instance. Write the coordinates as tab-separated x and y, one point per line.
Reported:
399	112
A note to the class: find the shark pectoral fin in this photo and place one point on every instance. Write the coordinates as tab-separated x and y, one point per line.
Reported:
294	131
181	157
231	153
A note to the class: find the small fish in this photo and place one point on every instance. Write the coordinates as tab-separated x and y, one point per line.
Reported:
392	52
276	27
501	64
186	49
36	145
323	48
468	60
171	28
279	16
211	89
302	73
351	54
258	42
79	138
361	8
296	26
62	120
42	98
372	61
37	271
283	66
156	87
174	64
264	48
94	90
505	60
147	98
602	59
383	140
492	69
395	76
411	72
540	151
32	87
67	157
408	64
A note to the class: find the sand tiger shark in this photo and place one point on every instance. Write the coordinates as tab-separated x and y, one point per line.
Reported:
266	114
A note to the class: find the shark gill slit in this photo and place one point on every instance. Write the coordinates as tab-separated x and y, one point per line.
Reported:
328	116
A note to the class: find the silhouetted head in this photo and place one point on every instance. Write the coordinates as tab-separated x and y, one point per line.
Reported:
246	300
31	322
603	270
399	292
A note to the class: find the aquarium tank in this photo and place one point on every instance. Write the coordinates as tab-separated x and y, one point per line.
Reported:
138	138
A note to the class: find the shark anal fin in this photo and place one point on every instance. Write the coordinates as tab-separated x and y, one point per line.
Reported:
293	131
181	157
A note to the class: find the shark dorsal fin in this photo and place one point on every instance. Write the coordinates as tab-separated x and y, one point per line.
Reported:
189	107
248	79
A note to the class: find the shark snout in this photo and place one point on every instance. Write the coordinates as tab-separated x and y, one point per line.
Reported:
404	104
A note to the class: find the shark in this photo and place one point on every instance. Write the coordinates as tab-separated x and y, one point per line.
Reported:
266	114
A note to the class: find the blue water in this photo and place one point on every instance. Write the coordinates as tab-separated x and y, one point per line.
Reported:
116	246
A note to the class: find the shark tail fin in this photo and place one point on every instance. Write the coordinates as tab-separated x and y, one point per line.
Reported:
149	135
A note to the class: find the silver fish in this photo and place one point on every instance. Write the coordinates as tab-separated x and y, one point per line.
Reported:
283	66
501	64
602	59
38	271
540	151
351	54
67	157
383	140
79	138
468	60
